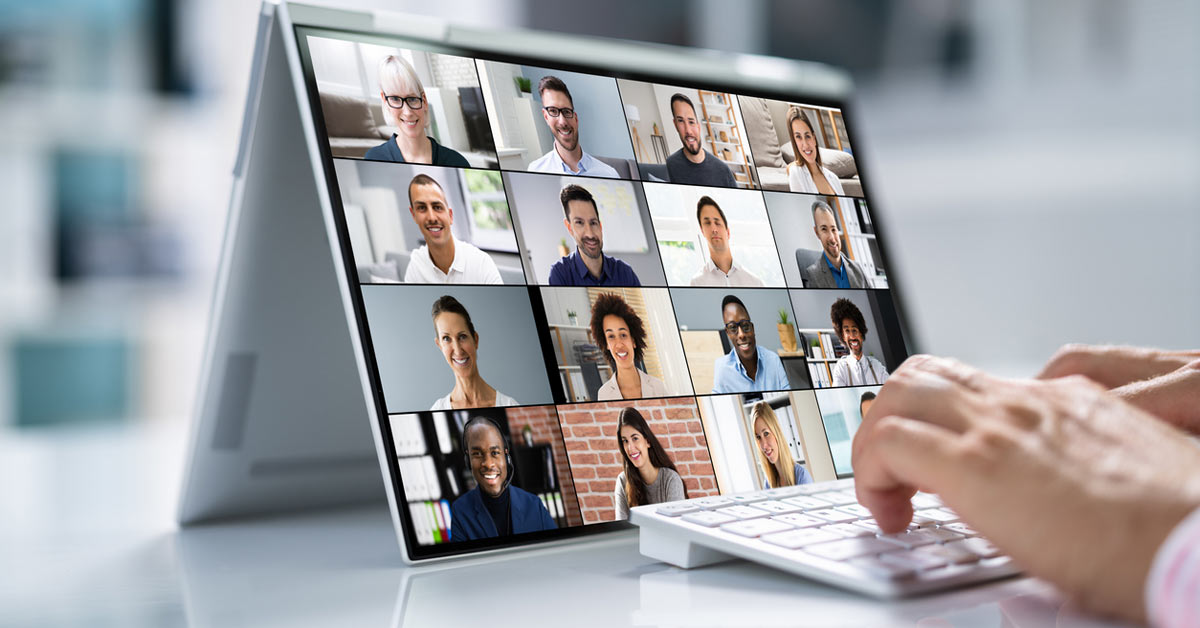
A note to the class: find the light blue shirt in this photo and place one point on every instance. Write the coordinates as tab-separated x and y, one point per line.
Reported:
839	274
729	376
588	166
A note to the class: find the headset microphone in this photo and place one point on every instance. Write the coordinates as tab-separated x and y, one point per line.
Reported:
508	476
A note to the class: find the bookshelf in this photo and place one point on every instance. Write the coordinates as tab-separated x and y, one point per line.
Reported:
724	135
859	234
577	356
821	349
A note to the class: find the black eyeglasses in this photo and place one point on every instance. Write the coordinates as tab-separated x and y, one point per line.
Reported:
565	112
398	102
746	324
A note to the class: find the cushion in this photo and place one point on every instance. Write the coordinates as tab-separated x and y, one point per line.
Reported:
760	130
839	162
348	116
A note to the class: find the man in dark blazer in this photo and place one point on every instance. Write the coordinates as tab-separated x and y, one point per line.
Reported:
493	507
832	269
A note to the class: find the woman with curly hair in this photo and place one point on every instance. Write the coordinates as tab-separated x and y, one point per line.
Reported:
649	476
619	332
854	368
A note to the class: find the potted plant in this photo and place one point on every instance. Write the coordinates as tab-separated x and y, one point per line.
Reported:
787	332
524	85
573	317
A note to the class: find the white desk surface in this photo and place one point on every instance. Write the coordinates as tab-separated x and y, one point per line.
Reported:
87	538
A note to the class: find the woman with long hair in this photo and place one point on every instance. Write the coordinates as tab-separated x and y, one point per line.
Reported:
808	173
649	476
773	452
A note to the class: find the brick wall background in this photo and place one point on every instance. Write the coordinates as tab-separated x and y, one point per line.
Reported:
544	423
590	434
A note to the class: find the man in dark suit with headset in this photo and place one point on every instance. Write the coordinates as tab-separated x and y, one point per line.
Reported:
493	507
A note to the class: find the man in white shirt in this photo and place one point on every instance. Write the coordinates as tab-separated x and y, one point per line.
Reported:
854	368
443	259
719	269
566	156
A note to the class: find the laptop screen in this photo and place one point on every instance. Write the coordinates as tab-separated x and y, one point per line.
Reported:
581	290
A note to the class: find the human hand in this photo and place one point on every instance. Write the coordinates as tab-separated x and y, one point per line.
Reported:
1079	487
1163	383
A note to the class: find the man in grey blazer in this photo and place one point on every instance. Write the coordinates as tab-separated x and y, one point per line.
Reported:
832	269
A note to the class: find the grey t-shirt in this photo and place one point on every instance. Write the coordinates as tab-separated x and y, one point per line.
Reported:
668	487
711	171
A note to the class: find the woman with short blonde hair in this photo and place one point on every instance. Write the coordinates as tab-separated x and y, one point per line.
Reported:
405	107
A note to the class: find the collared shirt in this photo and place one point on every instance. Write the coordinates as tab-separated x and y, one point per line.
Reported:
729	376
800	179
710	275
849	371
571	271
440	155
651	387
1171	600
588	165
470	265
839	274
502	401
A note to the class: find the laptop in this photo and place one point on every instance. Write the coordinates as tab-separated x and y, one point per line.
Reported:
529	285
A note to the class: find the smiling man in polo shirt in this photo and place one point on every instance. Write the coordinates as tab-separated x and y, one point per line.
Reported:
588	265
444	258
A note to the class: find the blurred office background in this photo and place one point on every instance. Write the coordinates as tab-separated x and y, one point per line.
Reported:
1035	163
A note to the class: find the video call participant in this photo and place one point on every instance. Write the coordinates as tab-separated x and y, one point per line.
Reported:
443	258
620	334
588	265
566	156
719	269
864	403
649	476
459	344
854	368
833	269
404	102
773	452
494	507
692	163
747	367
808	174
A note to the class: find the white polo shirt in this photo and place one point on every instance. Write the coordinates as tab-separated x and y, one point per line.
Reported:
710	275
850	371
470	265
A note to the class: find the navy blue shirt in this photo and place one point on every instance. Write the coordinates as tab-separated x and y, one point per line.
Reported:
839	274
571	271
442	156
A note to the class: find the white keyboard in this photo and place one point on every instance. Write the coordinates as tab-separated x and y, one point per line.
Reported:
821	532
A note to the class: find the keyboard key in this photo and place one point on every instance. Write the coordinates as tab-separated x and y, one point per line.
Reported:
676	509
848	530
747	498
755	527
784	491
849	548
909	540
980	547
874	527
807	502
793	539
925	500
940	515
919	521
712	503
961	528
800	520
832	516
777	508
839	498
918	562
881	569
743	512
858	510
952	555
708	518
942	534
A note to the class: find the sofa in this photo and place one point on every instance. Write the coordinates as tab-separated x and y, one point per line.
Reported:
766	129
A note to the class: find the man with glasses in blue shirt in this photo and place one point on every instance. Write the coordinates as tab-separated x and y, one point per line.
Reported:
566	156
747	367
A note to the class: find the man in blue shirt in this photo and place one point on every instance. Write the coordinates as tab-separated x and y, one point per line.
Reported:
588	265
566	156
493	507
747	367
832	269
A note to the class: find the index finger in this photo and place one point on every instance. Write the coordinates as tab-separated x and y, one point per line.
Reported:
897	456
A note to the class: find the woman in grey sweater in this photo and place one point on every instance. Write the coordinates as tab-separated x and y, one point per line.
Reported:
649	476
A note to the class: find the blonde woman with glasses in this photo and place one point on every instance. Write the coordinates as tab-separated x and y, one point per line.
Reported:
406	108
